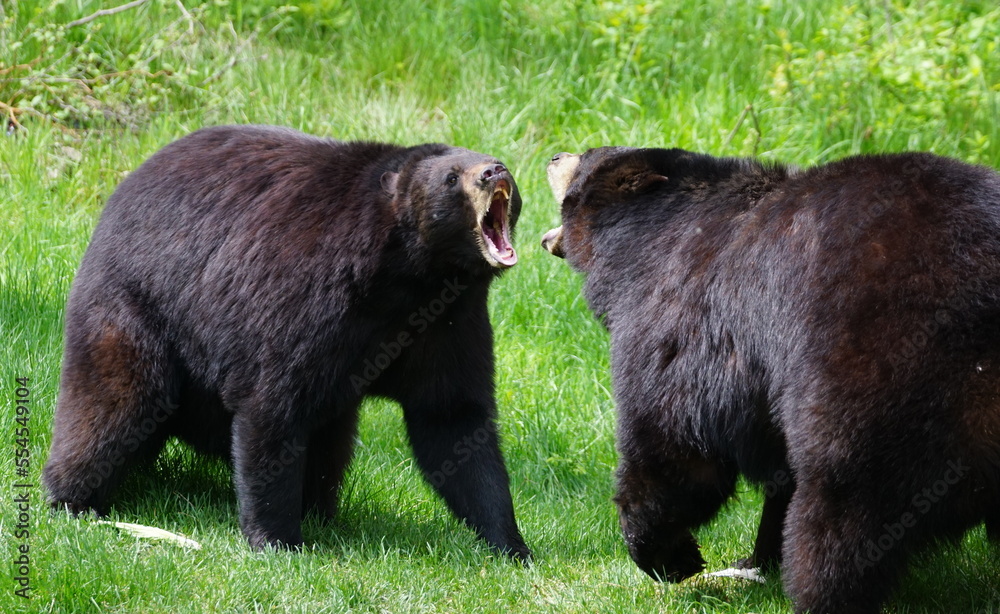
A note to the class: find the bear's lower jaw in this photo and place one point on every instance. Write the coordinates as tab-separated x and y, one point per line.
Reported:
494	229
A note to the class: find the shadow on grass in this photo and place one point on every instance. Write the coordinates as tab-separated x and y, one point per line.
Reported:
182	486
179	483
371	532
955	577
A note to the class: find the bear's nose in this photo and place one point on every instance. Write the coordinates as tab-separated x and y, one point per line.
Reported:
492	171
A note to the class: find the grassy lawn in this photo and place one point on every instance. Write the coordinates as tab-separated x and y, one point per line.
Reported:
802	82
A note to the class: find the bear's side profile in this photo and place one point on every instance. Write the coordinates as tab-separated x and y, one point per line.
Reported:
832	334
247	286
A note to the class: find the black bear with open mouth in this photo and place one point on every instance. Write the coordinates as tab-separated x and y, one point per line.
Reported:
248	286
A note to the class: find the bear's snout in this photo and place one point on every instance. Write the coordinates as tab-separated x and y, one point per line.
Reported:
492	172
667	558
552	242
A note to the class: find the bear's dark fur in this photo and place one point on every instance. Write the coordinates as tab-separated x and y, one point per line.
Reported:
247	286
832	334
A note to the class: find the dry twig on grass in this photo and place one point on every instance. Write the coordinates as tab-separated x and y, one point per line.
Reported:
105	12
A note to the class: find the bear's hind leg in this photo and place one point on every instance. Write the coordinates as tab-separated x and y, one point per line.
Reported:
842	556
115	400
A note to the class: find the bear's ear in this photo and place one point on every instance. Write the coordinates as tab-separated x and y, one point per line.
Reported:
640	182
389	181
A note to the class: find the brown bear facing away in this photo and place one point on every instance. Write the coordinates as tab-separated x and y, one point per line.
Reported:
833	333
247	286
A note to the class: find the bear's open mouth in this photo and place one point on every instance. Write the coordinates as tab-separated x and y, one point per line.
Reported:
496	230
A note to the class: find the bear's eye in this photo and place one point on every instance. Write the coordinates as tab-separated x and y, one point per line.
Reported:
452	179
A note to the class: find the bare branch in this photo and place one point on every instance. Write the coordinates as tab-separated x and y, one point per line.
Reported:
12	112
233	61
187	16
105	12
85	83
4	71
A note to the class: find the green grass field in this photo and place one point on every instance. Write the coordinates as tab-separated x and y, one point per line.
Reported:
801	82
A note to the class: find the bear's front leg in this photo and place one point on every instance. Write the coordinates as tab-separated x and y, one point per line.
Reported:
665	490
268	462
767	547
458	451
445	384
843	553
330	449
